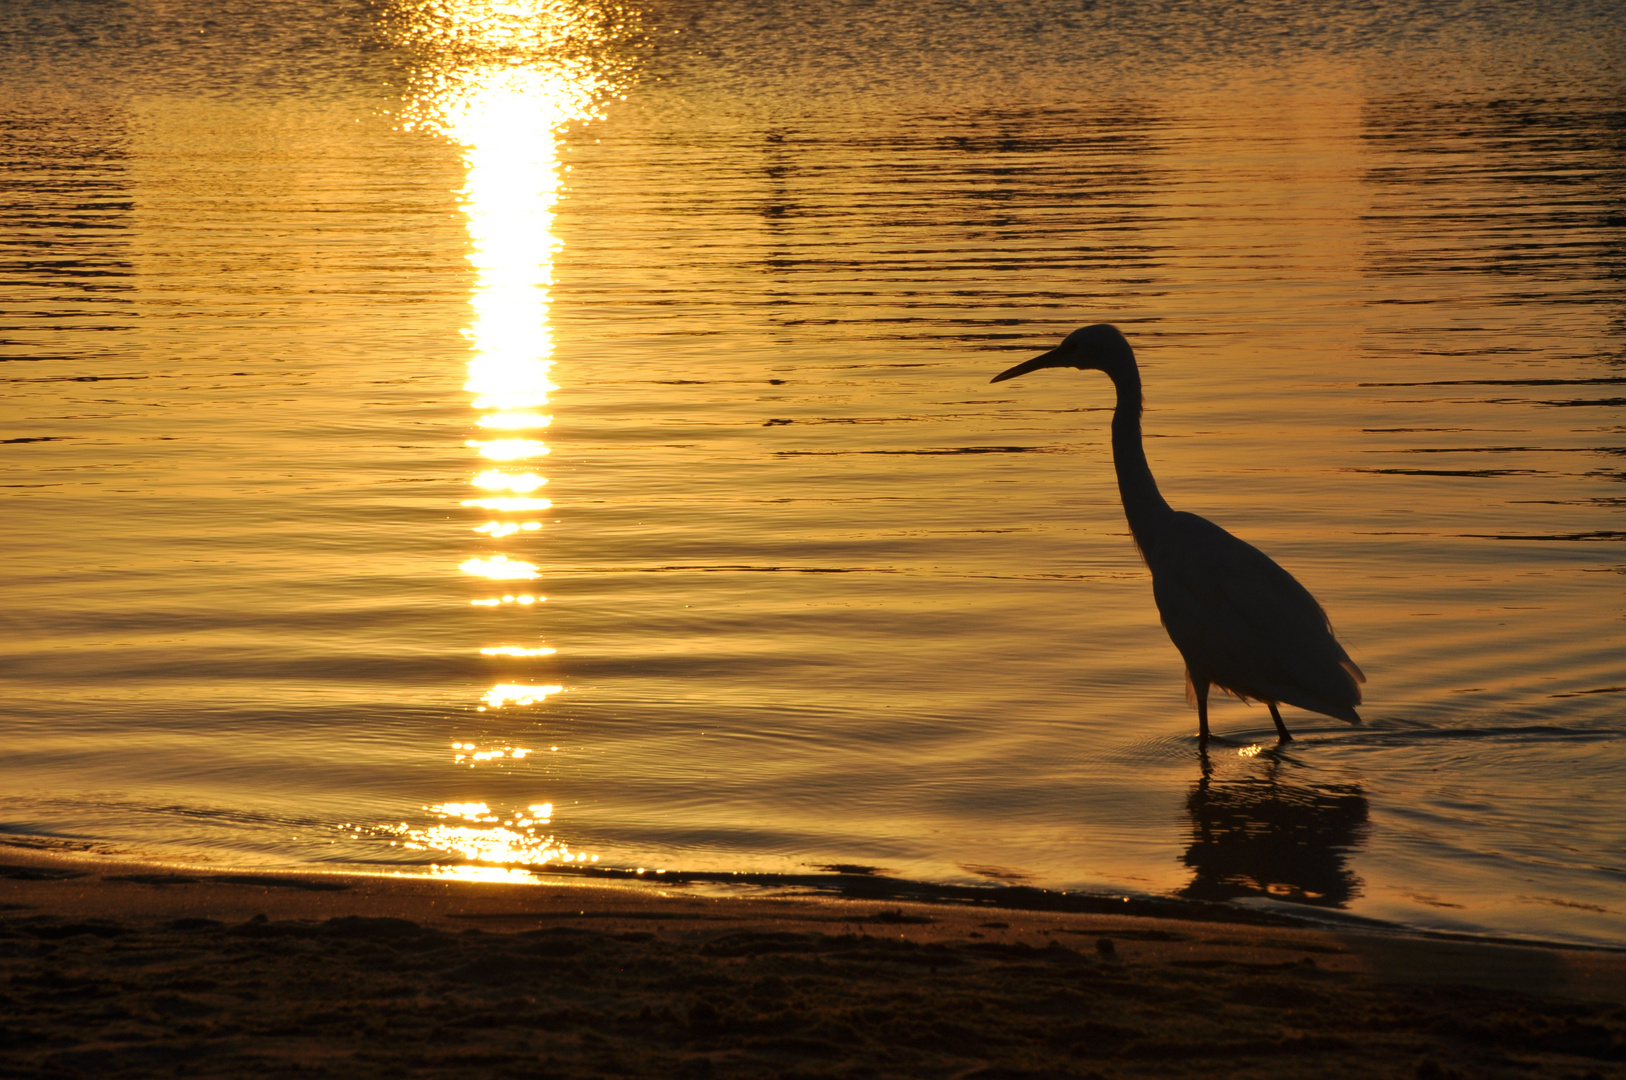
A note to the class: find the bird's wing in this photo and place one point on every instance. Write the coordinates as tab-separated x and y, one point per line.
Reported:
1244	623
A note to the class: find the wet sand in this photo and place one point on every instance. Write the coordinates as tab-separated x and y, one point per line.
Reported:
116	969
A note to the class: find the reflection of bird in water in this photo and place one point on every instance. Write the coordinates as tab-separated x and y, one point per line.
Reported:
1257	836
1240	621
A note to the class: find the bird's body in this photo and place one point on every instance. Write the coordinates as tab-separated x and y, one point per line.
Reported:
1241	622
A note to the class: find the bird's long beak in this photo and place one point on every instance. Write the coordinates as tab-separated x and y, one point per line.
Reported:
1049	359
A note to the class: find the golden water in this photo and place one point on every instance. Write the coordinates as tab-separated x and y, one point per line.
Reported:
479	436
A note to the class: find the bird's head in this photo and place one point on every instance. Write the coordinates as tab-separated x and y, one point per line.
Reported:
1092	348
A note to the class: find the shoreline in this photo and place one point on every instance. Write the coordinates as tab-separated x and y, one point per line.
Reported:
836	885
146	970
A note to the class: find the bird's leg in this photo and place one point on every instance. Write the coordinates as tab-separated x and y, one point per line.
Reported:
1281	728
1199	690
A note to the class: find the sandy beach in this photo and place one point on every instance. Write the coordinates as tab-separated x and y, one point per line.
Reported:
119	969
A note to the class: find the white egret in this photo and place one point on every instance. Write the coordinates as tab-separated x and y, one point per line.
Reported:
1241	622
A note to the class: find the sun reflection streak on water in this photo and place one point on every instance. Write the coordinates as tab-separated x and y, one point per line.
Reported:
473	832
493	480
502	79
518	694
501	568
507	528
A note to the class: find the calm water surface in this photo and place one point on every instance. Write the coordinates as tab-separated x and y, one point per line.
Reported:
463	436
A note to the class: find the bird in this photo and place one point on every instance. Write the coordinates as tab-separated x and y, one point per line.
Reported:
1240	621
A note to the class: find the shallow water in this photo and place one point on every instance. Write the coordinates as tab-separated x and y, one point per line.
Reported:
819	594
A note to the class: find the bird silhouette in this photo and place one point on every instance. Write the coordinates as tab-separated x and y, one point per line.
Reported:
1241	622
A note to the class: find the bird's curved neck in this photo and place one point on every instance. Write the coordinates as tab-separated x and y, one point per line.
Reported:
1144	505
